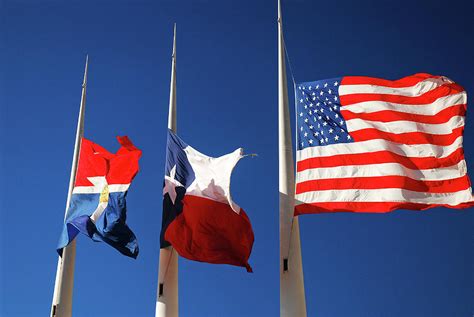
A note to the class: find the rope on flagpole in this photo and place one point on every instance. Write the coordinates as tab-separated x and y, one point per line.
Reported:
289	63
295	100
169	261
162	283
289	240
296	136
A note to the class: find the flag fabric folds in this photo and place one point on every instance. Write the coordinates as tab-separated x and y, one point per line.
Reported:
98	207
200	219
374	145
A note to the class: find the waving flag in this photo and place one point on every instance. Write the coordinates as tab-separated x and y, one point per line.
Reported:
98	207
374	145
200	220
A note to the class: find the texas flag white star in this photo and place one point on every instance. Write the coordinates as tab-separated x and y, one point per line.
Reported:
170	185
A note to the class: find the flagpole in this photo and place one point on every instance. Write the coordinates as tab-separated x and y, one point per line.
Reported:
63	286
292	294
167	292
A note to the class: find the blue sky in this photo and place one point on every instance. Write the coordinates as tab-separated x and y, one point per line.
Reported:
400	264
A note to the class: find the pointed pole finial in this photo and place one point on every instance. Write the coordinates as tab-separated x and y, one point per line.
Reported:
279	11
84	82
172	104
174	41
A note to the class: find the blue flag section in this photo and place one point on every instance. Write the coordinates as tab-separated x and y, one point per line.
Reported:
98	207
177	163
200	220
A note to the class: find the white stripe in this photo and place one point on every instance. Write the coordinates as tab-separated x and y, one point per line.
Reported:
114	188
413	91
427	109
406	126
99	211
383	169
212	175
415	150
385	195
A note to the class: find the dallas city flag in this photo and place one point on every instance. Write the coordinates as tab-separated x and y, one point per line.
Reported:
200	220
374	145
98	207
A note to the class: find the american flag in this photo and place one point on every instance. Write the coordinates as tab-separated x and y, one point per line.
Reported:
373	145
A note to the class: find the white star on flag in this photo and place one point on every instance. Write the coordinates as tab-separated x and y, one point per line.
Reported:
170	184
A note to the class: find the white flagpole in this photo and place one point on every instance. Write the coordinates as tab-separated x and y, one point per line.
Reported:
62	297
292	294
167	292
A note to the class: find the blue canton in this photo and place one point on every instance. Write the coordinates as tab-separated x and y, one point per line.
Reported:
319	120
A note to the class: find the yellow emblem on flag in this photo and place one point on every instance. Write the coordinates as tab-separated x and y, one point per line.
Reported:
104	195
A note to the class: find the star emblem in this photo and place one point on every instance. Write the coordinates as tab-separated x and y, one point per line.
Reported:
170	185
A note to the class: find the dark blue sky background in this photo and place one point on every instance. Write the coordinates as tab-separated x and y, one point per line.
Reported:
400	264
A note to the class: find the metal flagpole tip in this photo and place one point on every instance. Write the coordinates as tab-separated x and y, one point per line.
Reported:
174	41
279	10
84	81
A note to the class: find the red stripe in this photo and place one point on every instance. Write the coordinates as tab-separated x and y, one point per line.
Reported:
409	137
400	83
368	207
426	98
389	115
378	182
379	158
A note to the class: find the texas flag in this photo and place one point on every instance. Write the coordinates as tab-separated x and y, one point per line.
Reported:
97	207
200	220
